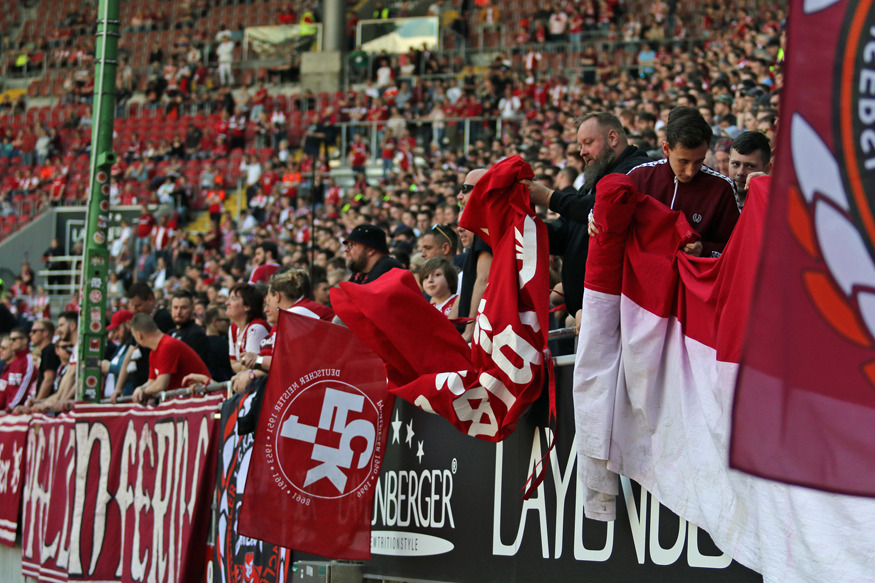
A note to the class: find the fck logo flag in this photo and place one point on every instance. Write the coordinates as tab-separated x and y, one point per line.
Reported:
319	444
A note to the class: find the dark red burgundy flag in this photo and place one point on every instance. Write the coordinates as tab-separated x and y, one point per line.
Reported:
481	390
13	439
319	444
804	409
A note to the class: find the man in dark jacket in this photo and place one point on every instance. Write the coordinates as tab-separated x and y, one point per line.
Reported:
186	329
605	150
367	254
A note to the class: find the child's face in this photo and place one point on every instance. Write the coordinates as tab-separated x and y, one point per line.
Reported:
435	284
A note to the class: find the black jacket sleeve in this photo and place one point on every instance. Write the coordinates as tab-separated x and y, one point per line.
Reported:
572	206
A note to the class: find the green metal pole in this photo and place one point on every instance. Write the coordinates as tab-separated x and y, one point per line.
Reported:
95	267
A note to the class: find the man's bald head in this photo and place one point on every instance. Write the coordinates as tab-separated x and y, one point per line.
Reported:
474	175
470	180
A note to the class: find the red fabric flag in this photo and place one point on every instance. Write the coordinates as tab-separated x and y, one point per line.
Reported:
120	493
13	438
484	389
805	406
319	443
653	387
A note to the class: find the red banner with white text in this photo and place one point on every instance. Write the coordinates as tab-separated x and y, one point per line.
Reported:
120	493
13	437
481	390
320	442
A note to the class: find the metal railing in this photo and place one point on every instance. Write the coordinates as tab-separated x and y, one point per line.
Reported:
226	386
195	389
472	128
71	275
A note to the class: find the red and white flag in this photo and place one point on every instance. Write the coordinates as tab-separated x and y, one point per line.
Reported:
654	380
805	406
119	493
13	440
319	444
481	390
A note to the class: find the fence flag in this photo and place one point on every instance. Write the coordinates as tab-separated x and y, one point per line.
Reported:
805	405
13	440
319	444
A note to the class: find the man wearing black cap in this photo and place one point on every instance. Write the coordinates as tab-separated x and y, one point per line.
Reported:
367	255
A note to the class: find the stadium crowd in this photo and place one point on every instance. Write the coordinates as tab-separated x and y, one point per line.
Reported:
304	228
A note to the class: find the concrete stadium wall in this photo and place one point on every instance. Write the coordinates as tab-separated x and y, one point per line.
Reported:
10	564
28	244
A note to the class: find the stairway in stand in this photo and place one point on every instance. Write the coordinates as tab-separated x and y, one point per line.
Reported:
201	222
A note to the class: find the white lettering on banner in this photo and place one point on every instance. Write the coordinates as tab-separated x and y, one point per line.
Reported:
69	452
450	380
645	528
17	452
124	496
336	405
465	412
10	469
157	470
45	445
428	496
141	505
4	471
164	434
527	250
518	346
87	437
536	504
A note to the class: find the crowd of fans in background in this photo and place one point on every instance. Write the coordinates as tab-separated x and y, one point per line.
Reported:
299	214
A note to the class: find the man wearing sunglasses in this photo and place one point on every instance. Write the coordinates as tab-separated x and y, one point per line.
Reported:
475	270
41	338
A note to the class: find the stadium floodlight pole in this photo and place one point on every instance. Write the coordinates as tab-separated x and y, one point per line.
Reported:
95	265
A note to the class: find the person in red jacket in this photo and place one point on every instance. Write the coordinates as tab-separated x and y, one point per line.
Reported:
682	182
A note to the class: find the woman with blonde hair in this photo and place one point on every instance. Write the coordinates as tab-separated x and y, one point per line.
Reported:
288	291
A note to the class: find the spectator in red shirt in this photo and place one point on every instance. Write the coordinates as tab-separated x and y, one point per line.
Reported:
358	153
145	224
266	255
170	360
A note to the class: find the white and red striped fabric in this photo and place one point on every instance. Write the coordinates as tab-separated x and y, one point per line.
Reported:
654	378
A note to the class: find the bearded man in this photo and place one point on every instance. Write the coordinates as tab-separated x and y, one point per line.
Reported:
605	150
367	254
